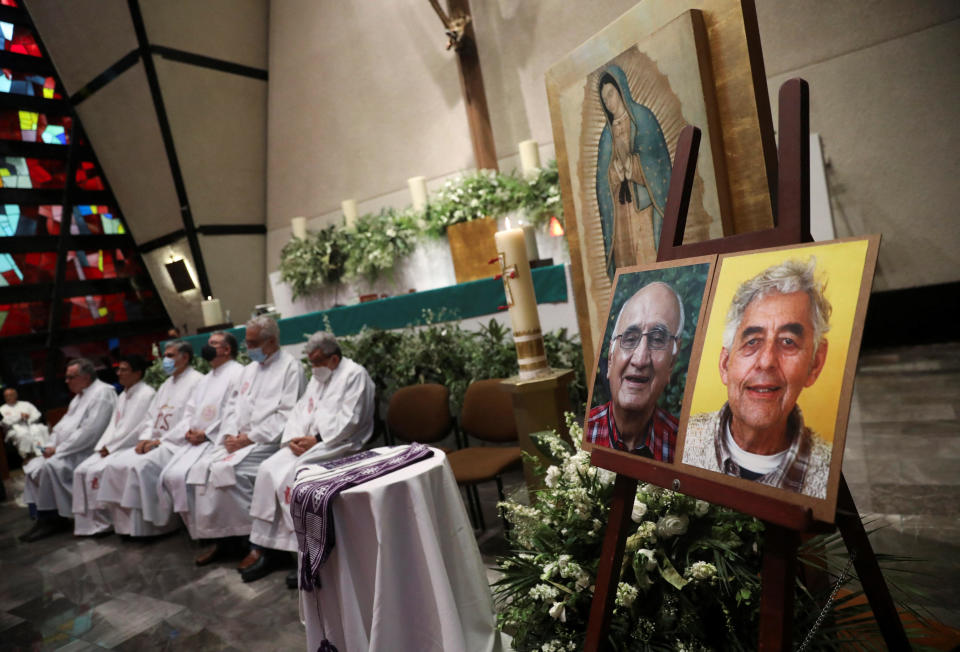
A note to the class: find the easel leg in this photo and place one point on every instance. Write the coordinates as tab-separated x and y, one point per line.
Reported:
778	580
611	557
868	570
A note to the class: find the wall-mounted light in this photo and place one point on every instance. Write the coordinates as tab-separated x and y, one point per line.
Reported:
180	275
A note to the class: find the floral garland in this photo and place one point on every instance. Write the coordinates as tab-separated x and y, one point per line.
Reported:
690	574
377	242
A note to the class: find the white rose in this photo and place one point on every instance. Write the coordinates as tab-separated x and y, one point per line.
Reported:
639	511
672	525
559	612
701	507
553	476
649	554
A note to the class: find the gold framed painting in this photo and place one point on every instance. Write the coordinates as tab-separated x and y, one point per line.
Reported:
618	104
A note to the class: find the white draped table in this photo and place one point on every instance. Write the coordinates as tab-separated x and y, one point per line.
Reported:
405	572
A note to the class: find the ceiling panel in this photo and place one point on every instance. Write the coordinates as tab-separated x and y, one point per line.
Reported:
219	123
83	42
232	30
121	123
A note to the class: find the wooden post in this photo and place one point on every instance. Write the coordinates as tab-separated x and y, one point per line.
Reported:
474	96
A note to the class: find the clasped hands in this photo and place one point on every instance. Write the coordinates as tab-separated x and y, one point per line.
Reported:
301	445
146	446
196	436
233	443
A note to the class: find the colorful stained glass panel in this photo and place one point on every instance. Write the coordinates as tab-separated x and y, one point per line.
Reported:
32	127
18	39
25	83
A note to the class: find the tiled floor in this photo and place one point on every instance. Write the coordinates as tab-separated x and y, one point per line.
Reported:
902	462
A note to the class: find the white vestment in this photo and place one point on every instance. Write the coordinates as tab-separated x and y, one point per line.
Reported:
339	412
24	432
121	433
259	408
128	482
49	480
205	411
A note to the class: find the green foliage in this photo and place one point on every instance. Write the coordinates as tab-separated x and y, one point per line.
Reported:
377	242
689	283
308	263
447	354
690	578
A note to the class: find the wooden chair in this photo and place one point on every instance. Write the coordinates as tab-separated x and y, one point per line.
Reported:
420	413
487	415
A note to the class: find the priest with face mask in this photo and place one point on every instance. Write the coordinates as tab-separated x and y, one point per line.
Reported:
121	434
200	427
128	483
255	418
333	418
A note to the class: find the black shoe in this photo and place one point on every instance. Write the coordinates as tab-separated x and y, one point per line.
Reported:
47	527
28	535
293	579
261	568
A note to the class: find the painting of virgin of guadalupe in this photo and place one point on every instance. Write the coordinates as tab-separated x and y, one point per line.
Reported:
633	173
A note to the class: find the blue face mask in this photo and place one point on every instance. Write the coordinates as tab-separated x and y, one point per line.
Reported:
168	365
256	354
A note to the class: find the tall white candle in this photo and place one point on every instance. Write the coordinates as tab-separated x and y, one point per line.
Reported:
299	227
530	239
212	312
349	207
522	302
529	158
418	192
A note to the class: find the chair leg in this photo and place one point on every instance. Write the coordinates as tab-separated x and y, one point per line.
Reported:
476	500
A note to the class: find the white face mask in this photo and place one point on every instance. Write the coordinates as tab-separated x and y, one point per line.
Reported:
321	373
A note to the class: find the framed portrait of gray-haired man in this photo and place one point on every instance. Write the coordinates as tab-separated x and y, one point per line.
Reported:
640	370
771	375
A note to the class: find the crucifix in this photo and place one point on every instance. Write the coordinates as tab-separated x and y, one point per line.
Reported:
459	28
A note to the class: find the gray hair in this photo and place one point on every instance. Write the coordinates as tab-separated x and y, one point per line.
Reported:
266	325
324	341
86	367
181	346
785	278
616	326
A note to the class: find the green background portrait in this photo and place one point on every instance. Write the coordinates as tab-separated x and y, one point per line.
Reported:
689	282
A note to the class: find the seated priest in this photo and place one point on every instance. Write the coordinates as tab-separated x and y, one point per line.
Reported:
49	477
22	431
121	433
128	482
255	417
334	417
200	427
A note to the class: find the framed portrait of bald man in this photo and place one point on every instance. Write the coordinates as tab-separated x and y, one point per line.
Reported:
640	371
772	372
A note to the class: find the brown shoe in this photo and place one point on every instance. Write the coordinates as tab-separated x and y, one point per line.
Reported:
208	556
252	557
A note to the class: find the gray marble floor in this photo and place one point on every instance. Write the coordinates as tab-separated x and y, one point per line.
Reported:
902	462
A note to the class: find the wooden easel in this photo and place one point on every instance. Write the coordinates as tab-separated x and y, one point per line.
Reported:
784	523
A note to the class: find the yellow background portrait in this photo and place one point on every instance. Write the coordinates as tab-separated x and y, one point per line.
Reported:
841	265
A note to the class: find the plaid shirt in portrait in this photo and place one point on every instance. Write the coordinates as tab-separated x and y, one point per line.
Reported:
661	439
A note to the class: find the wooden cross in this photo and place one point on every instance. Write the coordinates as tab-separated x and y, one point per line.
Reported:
459	28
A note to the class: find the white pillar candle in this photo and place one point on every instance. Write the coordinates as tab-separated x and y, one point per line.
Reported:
522	302
212	312
529	158
349	207
530	239
418	192
299	227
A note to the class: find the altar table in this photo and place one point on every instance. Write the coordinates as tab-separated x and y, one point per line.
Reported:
405	572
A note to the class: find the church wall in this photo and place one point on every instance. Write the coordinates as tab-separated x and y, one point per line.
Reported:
363	96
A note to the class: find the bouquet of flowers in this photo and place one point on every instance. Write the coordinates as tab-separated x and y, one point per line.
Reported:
690	578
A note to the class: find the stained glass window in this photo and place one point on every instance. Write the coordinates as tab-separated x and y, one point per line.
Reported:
15	38
33	127
23	318
22	220
28	83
